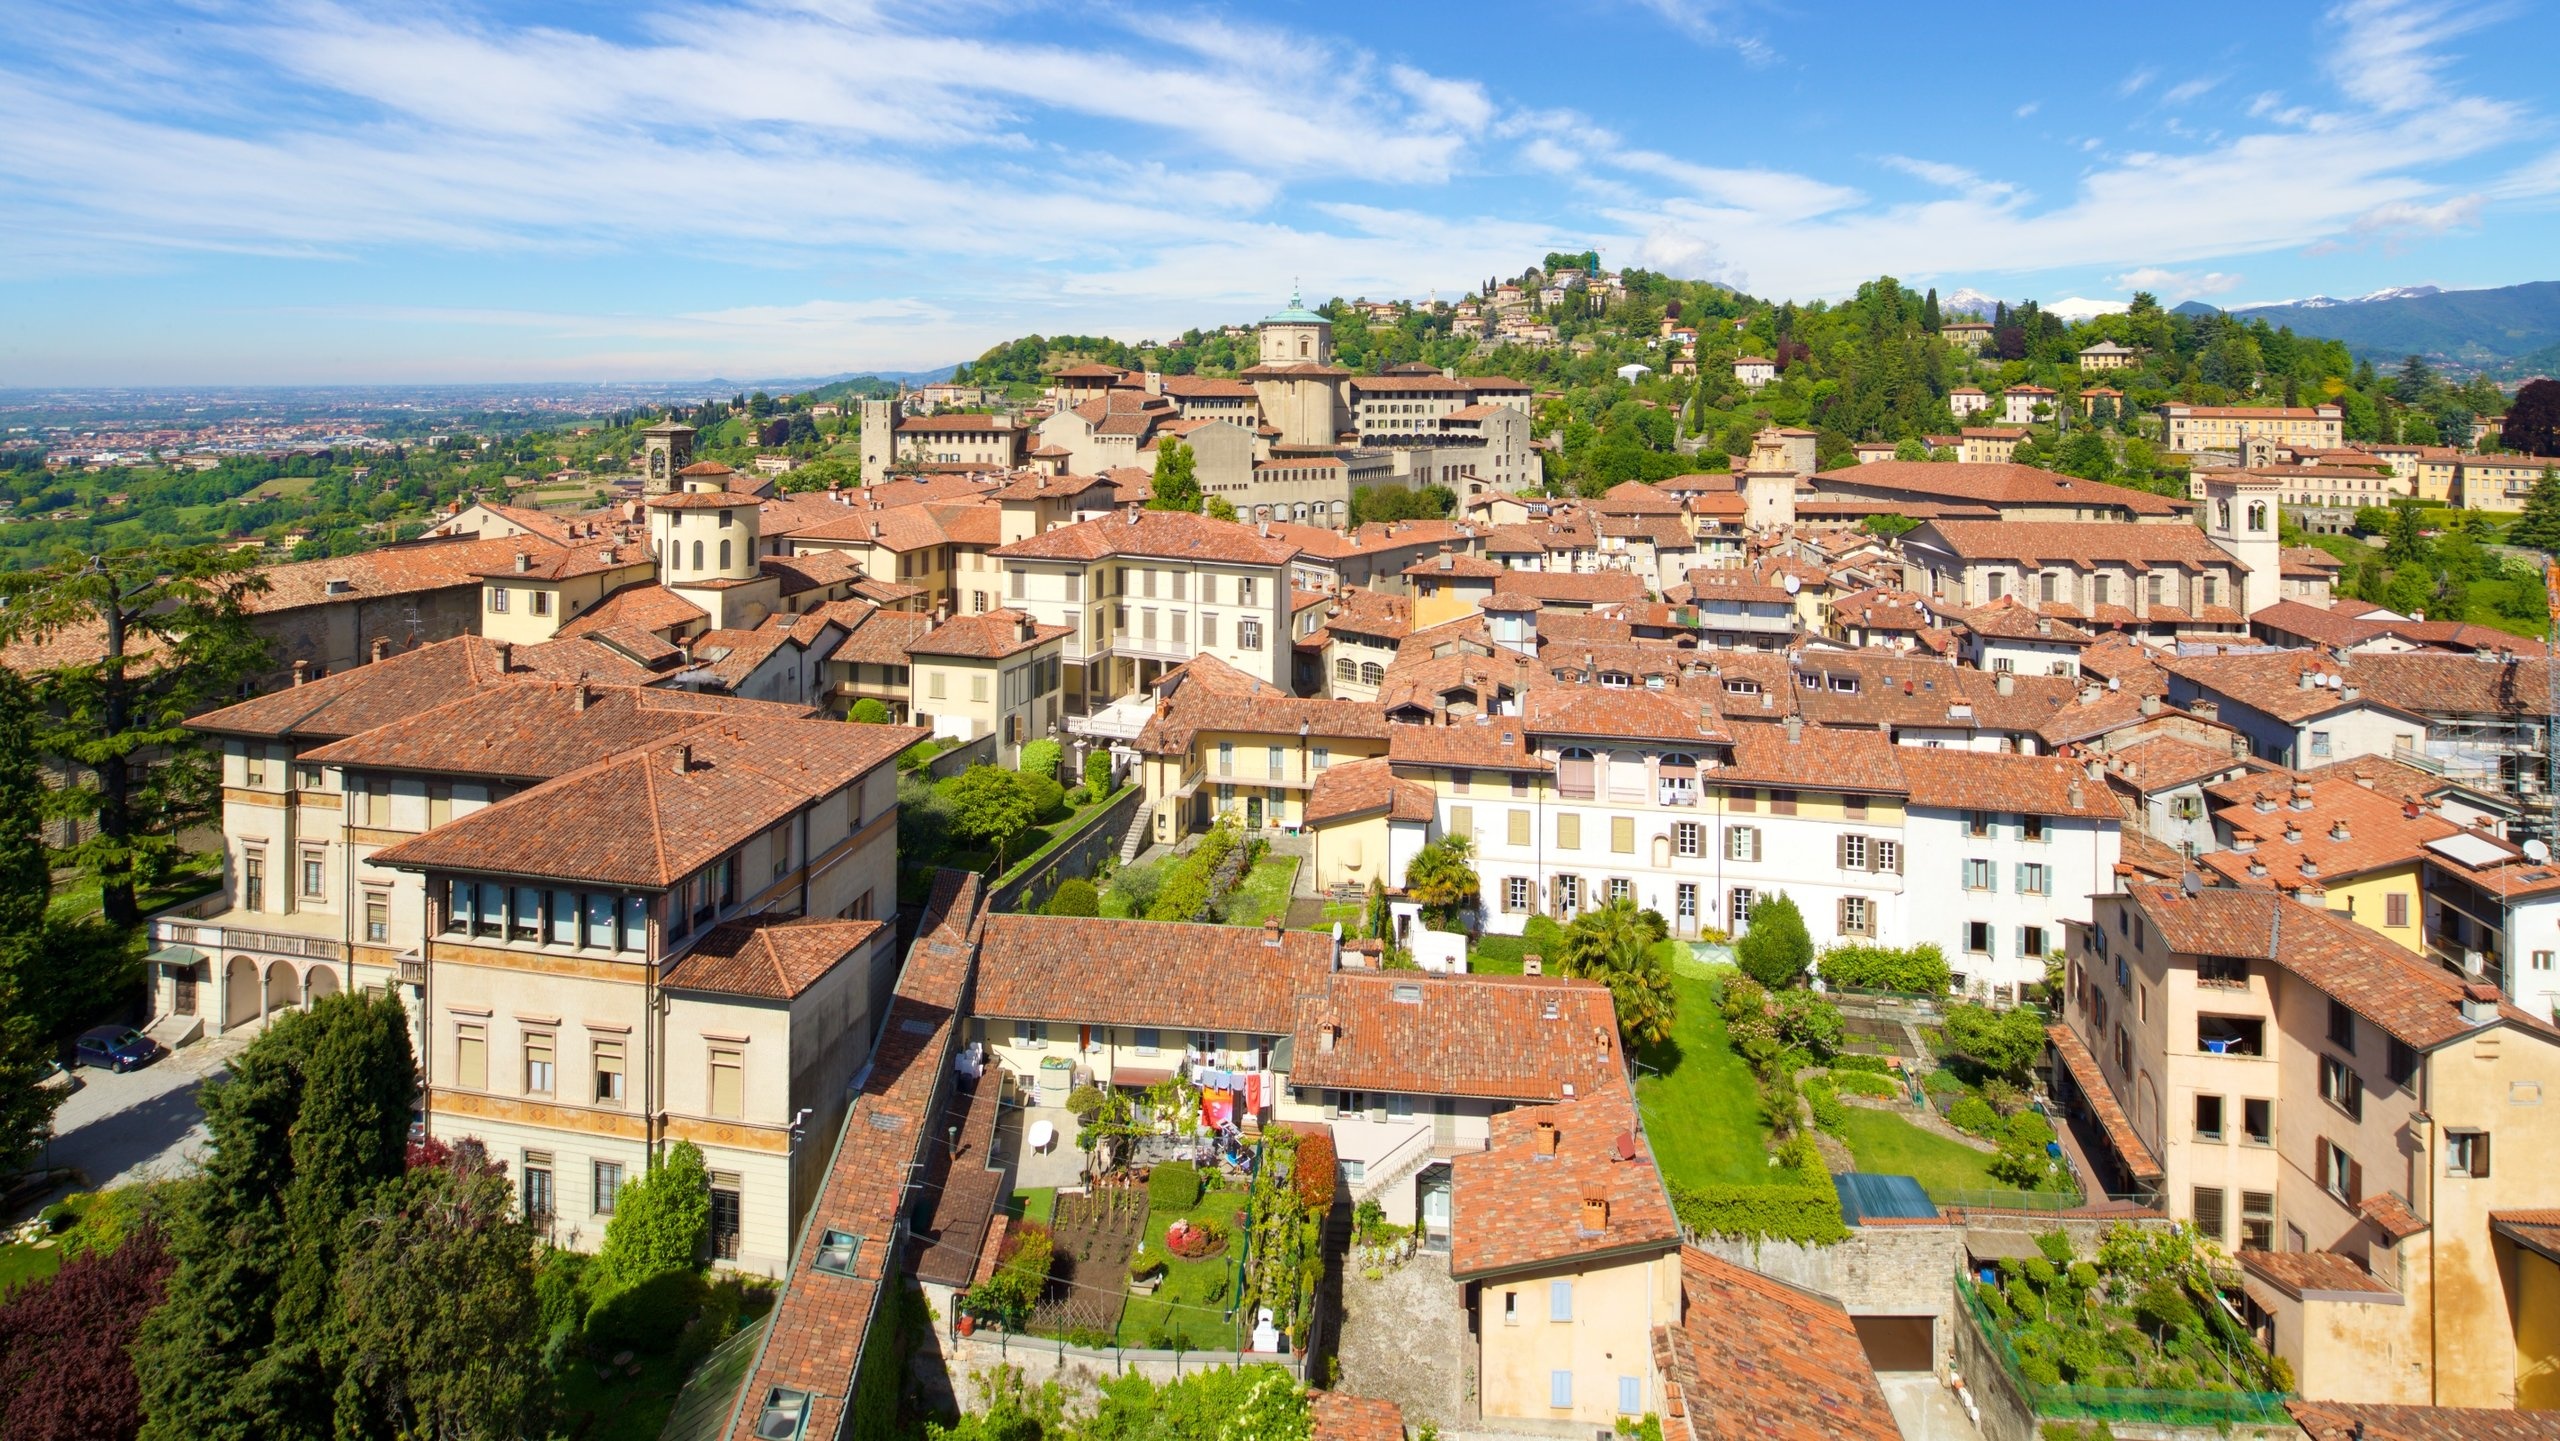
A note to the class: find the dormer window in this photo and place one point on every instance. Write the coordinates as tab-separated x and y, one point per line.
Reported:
836	1250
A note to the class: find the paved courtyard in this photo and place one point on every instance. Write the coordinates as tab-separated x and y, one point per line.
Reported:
141	1125
1404	1338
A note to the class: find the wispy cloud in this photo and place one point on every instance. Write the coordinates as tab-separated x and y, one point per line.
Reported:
1709	22
2186	91
2177	284
2030	108
2133	84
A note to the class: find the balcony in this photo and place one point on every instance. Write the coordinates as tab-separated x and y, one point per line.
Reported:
2231	1035
314	936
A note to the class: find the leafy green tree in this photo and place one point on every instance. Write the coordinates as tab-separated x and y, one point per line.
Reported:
1177	482
1614	945
1075	896
2372	519
146	637
2002	1043
661	1224
350	1136
1379	919
441	1329
989	805
1776	948
1441	881
2085	453
1218	507
2539	526
869	711
1041	758
1810	1023
2533	419
1097	772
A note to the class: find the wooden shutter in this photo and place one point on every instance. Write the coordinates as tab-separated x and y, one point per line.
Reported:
1840	852
1519	830
1840	916
2480	1154
1574	775
1568	832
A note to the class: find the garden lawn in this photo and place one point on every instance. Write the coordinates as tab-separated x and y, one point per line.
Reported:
20	1264
1701	1105
623	1407
1886	1144
1195	1296
192	876
1037	1204
1264	891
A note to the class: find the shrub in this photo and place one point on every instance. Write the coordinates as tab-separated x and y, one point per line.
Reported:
1195	1240
1920	969
1863	1083
1048	798
1174	1186
1074	897
1824	1100
1041	758
1078	797
1021	1276
1776	947
1139	886
1974	1114
1314	1175
65	1365
2002	1043
1083	1101
1810	1023
868	712
1854	1061
1145	1261
646	1316
660	1224
2056	1246
1097	773
1769	1213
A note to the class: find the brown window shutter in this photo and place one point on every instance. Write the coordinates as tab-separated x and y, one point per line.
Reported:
1840	852
2480	1155
2355	1182
1840	916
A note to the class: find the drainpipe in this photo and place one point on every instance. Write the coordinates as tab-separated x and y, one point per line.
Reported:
2427	1160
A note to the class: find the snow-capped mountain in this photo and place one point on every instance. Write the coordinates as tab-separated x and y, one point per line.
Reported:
2325	302
1969	299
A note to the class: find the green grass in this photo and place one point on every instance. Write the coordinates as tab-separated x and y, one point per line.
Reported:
21	1264
1264	891
1116	902
1196	1294
194	876
623	1408
1036	1204
1497	955
1701	1105
1887	1144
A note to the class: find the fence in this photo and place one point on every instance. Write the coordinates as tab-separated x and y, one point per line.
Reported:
1079	852
2217	1409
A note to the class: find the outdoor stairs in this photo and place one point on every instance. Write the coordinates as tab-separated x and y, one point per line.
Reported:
1141	826
1422	1156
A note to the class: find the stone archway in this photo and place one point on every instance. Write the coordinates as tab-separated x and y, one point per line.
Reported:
320	981
239	992
284	988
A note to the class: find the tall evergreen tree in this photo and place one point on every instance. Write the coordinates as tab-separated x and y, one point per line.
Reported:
1930	319
26	884
1177	479
2539	526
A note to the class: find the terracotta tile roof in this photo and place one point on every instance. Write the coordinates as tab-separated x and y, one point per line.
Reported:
649	817
2137	854
988	635
811	570
1334	1416
1816	756
1948	779
2299	847
768	958
643	605
1161	534
407	683
882	638
1756	1358
1355	611
2112	1123
1351	789
2008	618
1148	973
703	500
954	424
2085	542
1596	712
1556	588
2444	685
2408	997
2316	624
814	1343
1998	484
569	561
1882	610
535	729
2391	1215
411	568
1634	497
2357	1421
2165	763
1512	1206
1452	564
1512	1038
1707	586
1182	716
1479	742
2311	1273
905	528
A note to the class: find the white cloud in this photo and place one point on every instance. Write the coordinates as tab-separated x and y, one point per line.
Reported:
2187	90
2030	108
2132	84
2177	284
2401	217
1704	22
2386	53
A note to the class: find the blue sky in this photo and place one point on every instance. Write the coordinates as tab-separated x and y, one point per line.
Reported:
301	191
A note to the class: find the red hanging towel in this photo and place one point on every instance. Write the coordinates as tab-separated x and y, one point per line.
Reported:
1253	1094
1220	1107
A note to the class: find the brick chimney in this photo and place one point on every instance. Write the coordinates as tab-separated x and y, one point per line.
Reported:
1271	932
1546	1140
506	656
1595	1213
1533	965
301	672
578	696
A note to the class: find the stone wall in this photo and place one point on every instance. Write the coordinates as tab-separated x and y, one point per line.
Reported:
1079	1369
1081	854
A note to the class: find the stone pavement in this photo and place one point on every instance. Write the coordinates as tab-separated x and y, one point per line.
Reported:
142	1125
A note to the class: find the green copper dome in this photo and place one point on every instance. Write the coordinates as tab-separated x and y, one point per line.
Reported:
1296	314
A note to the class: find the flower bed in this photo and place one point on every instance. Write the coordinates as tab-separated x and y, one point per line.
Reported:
1195	1240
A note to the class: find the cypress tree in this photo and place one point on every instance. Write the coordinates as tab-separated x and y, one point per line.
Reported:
26	885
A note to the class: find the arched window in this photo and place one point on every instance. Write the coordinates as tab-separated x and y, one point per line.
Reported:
2222	514
1303	343
1577	773
724	555
1678	774
697	555
1372	673
2257	515
1345	668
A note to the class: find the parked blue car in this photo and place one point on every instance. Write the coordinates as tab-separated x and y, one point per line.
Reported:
118	1048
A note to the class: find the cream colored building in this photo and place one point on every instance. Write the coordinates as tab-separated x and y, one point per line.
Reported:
1210	752
2108	355
2189	429
997	673
2353	1121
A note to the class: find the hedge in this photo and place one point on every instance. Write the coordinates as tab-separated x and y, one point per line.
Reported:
1314	1174
1173	1186
1916	970
1761	1213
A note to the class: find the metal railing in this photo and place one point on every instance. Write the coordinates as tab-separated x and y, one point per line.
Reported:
2221	1409
239	938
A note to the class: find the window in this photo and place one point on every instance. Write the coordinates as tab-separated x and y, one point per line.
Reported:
377	917
1462	819
1621	889
1248	634
1510	1308
1889	856
471	1055
253	880
1559	1300
1568	895
2208	1211
1577	774
728	1082
2258	1121
1855	853
608	1186
2208	1118
2031	941
1622	834
542	598
2257	1220
306	778
1742	843
1857	916
1977	937
2466	1153
1978	876
538	1067
314	876
1977	824
2395	909
1245	585
439	803
1517	828
2342	1027
1568	831
537	1187
1685	905
608	1063
2339	1173
1738	907
497	600
2542	960
2035	879
2031	828
1687	838
1560	1390
1630	1395
1782	803
1515	894
524	923
2319	743
2400	1063
836	1250
728	1208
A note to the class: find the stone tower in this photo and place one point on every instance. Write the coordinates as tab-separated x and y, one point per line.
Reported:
1296	336
2240	516
879	439
666	448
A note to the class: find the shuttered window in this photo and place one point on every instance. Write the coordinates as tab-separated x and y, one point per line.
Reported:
1518	834
471	1056
2208	1211
728	1082
1568	832
1622	834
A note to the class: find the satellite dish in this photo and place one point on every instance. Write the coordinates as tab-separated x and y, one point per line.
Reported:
1792	584
2537	851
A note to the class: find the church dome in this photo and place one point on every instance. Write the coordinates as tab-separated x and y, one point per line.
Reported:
1296	314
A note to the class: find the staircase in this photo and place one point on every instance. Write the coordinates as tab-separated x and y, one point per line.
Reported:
1141	826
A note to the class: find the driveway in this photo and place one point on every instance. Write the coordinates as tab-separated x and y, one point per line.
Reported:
141	1125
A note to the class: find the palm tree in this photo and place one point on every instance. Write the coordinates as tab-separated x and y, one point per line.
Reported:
1614	945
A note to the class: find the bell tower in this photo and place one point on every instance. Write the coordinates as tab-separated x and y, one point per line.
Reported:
2241	517
666	448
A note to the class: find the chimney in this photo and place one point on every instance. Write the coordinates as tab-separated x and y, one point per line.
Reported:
2005	683
578	695
2151	705
2302	795
1271	932
1022	627
2072	795
381	647
506	656
2338	832
1533	965
1595	1213
2479	1004
2310	868
1547	1140
684	756
1327	1034
1795	730
2307	680
301	672
524	562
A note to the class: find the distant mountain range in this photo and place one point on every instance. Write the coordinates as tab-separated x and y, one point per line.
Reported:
2506	333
